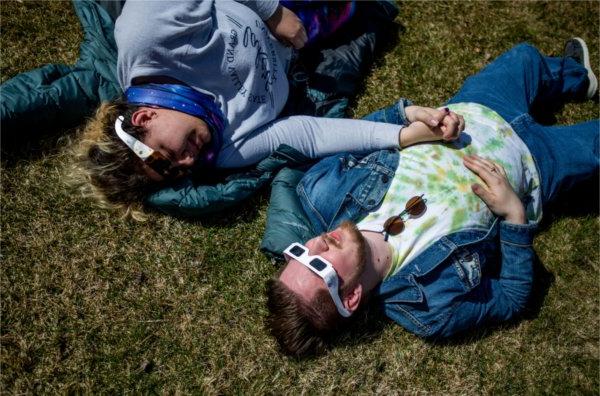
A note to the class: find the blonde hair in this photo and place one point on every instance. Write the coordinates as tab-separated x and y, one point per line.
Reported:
104	168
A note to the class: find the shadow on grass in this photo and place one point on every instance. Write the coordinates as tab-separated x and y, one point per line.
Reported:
245	212
380	51
25	147
545	112
366	327
582	200
363	42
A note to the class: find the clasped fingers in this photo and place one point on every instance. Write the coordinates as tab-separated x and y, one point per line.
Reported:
452	126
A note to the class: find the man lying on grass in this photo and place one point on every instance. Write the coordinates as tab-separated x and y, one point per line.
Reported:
444	239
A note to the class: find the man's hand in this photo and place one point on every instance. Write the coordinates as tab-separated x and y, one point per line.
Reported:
497	193
287	27
428	124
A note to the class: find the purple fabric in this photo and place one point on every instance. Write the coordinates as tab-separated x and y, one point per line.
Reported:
321	18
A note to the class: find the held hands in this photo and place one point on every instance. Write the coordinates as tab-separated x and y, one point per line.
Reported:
287	27
497	192
428	124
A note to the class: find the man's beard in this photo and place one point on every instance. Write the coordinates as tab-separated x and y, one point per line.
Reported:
361	253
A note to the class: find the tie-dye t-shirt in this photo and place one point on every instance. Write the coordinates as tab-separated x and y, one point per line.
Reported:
436	170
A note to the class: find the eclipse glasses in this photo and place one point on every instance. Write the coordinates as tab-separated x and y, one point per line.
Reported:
321	268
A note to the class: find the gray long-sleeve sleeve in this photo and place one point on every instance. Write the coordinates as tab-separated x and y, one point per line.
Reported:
312	136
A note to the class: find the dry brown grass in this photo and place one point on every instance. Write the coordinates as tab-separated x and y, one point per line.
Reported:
91	303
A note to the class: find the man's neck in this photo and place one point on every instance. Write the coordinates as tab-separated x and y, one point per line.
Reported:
379	259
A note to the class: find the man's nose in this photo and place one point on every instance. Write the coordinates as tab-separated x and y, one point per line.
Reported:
318	246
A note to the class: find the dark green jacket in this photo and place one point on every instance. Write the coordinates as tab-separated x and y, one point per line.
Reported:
189	199
286	220
60	96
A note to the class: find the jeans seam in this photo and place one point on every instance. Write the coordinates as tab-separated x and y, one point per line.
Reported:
517	244
311	206
518	122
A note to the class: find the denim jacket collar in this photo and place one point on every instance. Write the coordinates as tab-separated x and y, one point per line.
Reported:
360	185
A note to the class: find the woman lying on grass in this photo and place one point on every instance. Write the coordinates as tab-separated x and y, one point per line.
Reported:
204	82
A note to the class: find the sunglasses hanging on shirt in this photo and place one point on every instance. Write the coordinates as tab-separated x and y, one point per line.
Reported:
414	207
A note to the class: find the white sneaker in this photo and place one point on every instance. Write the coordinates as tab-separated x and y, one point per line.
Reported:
578	50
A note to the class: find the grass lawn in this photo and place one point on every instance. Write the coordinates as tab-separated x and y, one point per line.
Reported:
92	303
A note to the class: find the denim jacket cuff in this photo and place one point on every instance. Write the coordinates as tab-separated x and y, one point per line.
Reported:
518	234
402	105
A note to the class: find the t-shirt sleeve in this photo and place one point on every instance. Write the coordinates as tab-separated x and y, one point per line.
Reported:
152	36
264	8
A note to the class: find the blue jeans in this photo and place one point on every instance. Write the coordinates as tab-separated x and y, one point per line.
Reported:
511	86
522	78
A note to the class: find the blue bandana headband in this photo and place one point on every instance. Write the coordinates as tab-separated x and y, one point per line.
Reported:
186	100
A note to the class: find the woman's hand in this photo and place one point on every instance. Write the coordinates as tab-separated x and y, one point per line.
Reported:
287	27
428	124
497	193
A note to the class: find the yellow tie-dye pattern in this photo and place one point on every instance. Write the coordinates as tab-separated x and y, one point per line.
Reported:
436	170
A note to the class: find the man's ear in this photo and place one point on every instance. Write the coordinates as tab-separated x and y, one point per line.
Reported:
142	116
353	297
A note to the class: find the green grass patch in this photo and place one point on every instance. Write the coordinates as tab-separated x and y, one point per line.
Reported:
92	303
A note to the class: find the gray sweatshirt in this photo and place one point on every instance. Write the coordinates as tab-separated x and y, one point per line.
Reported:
223	48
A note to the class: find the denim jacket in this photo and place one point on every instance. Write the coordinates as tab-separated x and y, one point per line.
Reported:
463	280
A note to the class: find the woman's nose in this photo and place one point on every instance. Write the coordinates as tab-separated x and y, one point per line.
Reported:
185	161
